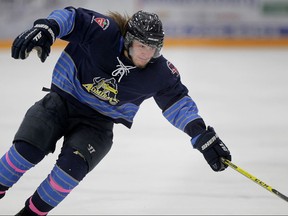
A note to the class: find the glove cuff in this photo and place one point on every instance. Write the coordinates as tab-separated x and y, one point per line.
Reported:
205	140
50	28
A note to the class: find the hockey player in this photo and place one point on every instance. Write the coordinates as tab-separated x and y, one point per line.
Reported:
111	64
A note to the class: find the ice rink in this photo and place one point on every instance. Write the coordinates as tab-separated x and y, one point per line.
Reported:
152	168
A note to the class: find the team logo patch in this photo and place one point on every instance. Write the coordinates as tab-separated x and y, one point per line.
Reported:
105	89
172	68
102	22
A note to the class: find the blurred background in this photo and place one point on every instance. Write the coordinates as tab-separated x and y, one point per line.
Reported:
231	54
186	22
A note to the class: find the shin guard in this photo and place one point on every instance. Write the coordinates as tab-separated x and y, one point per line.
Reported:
12	167
69	170
52	191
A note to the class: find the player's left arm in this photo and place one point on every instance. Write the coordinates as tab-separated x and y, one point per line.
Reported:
182	112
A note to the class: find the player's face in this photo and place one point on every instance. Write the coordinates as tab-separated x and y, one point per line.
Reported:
141	53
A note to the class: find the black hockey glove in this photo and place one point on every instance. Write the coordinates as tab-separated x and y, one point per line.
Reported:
40	37
213	149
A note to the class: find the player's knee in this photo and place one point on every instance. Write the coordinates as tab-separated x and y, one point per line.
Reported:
29	152
73	163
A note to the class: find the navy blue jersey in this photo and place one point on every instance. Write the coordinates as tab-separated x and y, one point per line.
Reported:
93	72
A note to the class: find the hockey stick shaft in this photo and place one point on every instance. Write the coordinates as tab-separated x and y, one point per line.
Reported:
254	179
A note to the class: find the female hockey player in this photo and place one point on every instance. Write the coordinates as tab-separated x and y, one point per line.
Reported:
111	64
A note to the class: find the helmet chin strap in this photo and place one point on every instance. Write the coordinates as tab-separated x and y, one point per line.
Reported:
127	54
129	51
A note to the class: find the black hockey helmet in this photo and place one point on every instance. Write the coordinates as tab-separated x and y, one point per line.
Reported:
146	28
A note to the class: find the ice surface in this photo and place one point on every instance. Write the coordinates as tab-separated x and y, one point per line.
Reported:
152	168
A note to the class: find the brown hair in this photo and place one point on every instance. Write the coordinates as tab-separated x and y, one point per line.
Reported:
120	19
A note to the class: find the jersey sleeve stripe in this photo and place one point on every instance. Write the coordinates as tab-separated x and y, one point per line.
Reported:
182	112
65	19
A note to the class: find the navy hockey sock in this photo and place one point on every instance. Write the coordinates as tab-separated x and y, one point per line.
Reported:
69	170
29	152
15	163
3	191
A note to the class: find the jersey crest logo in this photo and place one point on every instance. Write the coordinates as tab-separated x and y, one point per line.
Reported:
121	70
173	69
102	22
104	89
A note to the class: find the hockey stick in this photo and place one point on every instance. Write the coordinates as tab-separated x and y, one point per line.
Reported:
254	179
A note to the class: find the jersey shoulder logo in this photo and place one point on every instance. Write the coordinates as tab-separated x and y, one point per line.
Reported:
173	69
102	22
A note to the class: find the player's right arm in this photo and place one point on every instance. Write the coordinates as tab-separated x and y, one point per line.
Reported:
70	24
43	34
